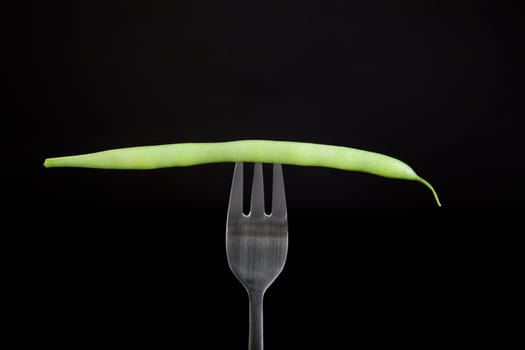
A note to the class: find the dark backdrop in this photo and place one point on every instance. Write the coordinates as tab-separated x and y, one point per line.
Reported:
139	255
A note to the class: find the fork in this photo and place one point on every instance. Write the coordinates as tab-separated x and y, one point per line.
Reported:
257	243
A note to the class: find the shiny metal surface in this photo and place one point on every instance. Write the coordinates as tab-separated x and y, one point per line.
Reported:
257	243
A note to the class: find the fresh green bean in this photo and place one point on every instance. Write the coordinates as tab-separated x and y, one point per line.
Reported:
264	151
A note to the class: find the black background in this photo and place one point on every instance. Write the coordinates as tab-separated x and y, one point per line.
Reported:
139	255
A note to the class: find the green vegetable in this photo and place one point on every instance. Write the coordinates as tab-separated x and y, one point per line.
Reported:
264	151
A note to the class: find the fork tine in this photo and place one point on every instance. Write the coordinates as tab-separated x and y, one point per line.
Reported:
278	194
257	202
236	193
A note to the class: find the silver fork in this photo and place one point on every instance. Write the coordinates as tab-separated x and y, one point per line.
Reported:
257	243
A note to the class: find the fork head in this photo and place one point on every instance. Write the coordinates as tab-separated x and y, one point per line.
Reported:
257	243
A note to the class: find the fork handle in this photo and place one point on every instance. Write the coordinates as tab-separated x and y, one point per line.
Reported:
256	320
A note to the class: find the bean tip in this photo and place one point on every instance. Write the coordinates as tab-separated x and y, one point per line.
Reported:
429	186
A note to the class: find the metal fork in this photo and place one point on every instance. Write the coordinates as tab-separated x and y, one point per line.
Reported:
257	243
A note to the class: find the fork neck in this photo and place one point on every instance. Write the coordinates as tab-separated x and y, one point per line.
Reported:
256	320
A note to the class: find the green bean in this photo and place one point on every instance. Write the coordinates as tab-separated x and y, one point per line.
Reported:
264	151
